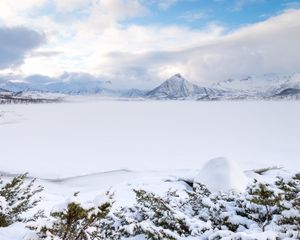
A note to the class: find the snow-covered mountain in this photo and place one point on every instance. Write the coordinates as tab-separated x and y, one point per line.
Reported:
68	83
253	84
5	92
257	87
267	86
287	94
263	87
133	93
178	87
7	96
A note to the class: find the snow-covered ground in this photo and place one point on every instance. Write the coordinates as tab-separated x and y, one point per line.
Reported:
91	146
83	137
92	189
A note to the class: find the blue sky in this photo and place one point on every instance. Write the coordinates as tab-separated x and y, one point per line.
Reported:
198	13
138	43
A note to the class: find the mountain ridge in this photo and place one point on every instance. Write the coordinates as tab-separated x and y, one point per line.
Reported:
264	87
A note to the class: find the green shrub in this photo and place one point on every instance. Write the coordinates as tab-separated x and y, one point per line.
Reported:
16	198
75	222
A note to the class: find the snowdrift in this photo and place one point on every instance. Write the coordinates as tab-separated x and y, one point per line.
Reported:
221	174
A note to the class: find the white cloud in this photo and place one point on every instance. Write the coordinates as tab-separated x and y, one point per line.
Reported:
15	43
191	16
104	14
269	46
165	4
240	4
13	13
293	4
121	9
142	55
117	9
70	5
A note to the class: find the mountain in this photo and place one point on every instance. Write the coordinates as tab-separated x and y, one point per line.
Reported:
254	87
67	83
288	94
133	93
254	84
7	96
178	87
5	92
267	86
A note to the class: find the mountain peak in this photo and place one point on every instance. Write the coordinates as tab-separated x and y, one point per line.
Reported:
177	87
178	75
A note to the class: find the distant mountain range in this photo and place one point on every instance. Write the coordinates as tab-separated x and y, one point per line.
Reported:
265	87
7	96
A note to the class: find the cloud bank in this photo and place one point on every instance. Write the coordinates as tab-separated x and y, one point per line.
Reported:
271	46
105	38
15	43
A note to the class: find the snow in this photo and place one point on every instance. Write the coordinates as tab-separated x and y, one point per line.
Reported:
9	117
59	193
226	235
221	174
16	231
84	137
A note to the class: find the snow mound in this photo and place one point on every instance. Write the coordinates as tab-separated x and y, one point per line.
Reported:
221	174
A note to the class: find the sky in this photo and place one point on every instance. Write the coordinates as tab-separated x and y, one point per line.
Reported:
140	43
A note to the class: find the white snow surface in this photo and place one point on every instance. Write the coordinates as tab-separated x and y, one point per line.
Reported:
71	145
222	174
92	188
84	137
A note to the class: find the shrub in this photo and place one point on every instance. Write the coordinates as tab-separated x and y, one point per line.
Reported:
74	222
16	198
290	216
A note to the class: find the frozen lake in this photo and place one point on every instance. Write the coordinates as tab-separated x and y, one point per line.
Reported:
77	138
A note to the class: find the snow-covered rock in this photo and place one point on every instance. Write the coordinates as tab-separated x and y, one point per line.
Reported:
221	174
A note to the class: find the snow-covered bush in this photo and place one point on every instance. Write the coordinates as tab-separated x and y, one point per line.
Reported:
195	201
290	215
213	208
73	222
266	210
16	198
271	207
260	203
165	218
157	217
